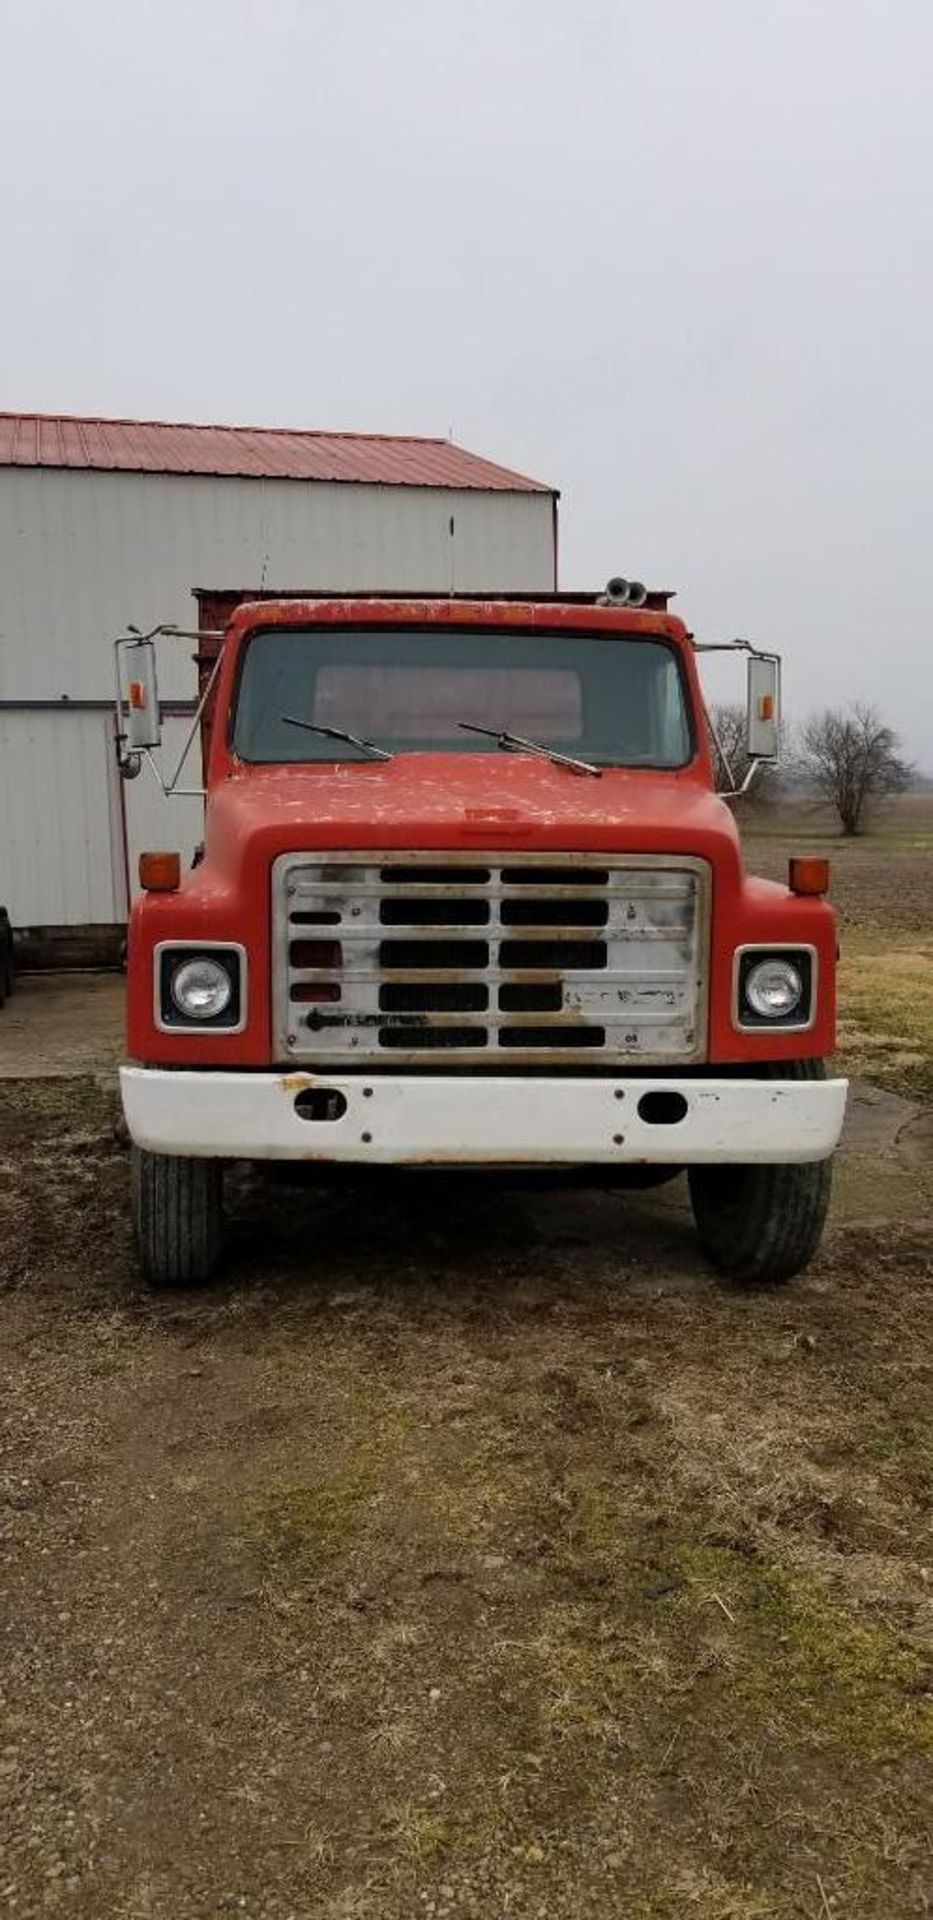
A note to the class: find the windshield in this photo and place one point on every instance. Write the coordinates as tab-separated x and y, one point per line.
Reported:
615	701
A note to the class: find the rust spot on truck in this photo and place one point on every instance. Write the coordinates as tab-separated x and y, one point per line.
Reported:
296	1082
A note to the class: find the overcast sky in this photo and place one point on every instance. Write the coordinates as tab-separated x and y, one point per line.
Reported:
672	256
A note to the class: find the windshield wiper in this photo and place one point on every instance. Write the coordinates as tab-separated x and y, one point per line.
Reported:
514	743
339	733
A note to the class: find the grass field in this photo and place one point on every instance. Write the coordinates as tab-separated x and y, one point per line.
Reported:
882	889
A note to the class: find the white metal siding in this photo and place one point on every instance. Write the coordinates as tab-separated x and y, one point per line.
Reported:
81	554
60	853
61	833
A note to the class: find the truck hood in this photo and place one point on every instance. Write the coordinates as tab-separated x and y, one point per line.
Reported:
463	801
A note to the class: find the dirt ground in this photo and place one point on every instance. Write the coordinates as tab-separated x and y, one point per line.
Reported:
41	1037
465	1551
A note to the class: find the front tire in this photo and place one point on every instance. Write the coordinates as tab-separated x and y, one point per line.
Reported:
763	1223
178	1215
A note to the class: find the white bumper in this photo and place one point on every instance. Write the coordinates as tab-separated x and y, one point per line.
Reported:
446	1121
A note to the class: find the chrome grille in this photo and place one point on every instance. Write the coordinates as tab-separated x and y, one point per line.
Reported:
480	958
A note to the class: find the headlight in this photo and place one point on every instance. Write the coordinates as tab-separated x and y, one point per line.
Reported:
775	989
201	988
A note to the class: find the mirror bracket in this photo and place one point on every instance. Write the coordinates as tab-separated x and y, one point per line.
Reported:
132	746
763	712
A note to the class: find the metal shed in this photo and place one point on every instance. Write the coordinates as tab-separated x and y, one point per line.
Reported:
103	522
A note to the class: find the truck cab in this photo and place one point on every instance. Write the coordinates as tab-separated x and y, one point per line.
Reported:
469	897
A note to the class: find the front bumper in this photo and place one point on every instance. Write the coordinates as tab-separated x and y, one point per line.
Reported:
462	1121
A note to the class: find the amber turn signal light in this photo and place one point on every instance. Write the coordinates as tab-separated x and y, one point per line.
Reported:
807	874
160	872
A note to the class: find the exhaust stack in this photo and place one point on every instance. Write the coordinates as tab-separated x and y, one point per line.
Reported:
623	593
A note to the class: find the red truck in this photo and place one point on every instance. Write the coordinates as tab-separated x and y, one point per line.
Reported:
468	897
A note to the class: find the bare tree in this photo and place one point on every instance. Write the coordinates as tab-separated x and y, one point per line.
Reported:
853	760
728	727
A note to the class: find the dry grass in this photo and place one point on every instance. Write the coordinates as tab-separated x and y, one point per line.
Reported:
882	889
886	1011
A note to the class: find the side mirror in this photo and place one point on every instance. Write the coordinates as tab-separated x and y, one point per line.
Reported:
143	719
763	724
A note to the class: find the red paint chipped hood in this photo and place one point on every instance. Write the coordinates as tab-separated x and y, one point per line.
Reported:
451	801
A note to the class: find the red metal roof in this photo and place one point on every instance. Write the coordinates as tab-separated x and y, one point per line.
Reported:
274	453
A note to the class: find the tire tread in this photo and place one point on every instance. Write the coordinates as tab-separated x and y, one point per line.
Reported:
775	1226
178	1211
